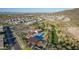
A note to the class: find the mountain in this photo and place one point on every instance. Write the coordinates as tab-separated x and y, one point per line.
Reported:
73	14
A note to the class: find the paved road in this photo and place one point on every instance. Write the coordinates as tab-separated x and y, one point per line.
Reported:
16	47
20	42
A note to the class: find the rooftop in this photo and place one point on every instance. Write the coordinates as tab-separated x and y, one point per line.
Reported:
40	38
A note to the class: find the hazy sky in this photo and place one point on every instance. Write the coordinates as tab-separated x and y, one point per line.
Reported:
32	10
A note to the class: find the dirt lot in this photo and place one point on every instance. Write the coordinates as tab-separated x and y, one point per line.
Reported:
74	31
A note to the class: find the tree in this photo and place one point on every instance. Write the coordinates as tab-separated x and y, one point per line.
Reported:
54	37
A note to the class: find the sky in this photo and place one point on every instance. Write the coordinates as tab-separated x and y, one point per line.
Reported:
32	10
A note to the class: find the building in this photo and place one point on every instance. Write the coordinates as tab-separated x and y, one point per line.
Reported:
9	35
38	40
1	28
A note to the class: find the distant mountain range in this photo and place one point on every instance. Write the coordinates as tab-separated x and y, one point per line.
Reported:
11	13
25	12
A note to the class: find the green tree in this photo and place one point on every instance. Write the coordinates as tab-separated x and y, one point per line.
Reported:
54	37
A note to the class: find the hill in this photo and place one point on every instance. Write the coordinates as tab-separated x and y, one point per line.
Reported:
73	14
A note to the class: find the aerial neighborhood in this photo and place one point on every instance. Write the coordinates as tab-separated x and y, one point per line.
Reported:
39	31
